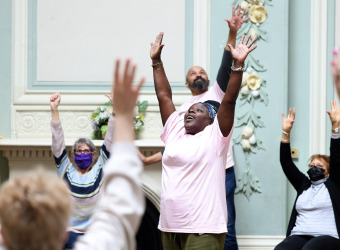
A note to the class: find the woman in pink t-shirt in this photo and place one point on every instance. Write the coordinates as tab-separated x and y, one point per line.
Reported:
193	195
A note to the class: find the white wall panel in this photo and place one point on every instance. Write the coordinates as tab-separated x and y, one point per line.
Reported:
78	40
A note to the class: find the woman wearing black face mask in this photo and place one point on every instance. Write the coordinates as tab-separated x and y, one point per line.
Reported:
315	219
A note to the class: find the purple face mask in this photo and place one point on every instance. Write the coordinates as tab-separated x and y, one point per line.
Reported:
82	160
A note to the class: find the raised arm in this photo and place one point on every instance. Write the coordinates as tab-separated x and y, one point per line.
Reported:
58	141
226	112
54	104
118	214
110	126
334	169
234	24
162	86
336	69
293	174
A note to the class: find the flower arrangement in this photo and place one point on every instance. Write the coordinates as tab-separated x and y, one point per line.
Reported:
100	118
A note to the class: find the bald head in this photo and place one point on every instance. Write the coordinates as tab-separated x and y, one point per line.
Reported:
197	80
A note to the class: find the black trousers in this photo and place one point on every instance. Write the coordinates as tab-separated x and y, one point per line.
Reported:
305	242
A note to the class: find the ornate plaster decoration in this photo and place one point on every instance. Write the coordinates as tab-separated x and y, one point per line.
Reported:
252	91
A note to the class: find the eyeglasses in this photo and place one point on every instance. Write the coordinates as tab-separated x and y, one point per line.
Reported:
318	166
85	151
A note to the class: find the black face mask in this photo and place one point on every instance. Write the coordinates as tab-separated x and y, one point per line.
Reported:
316	173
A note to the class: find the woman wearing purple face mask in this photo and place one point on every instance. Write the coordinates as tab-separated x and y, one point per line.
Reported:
84	177
315	218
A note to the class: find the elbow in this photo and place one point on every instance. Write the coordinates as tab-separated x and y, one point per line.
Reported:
230	103
164	96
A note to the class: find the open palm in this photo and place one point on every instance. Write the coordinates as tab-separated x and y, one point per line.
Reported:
156	47
242	50
237	20
334	114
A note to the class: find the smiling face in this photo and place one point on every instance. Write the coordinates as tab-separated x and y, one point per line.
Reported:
320	163
197	80
196	119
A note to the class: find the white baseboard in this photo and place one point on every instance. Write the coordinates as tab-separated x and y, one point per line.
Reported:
263	242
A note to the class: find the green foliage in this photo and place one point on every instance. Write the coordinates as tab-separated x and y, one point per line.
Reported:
101	115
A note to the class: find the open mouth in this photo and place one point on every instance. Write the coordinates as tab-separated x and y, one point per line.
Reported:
189	118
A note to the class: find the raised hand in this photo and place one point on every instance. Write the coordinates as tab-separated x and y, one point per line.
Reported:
334	114
123	92
54	101
156	47
287	123
336	69
110	97
236	20
242	50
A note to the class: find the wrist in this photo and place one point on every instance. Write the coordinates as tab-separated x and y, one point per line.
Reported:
237	67
285	132
156	60
232	33
238	63
335	130
335	125
157	65
285	140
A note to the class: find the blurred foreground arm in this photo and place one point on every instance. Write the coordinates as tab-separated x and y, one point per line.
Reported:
118	215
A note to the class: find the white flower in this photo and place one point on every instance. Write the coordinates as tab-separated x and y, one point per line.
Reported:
252	34
103	115
245	144
250	70
252	139
247	132
138	124
255	93
245	78
245	5
255	2
97	119
102	108
245	90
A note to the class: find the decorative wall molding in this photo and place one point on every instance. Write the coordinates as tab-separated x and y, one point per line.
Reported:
252	91
318	77
255	242
37	124
76	123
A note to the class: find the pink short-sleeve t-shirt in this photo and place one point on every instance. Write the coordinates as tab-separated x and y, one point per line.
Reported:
214	93
193	175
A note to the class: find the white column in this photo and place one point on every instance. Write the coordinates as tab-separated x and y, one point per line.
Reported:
202	34
318	73
19	54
